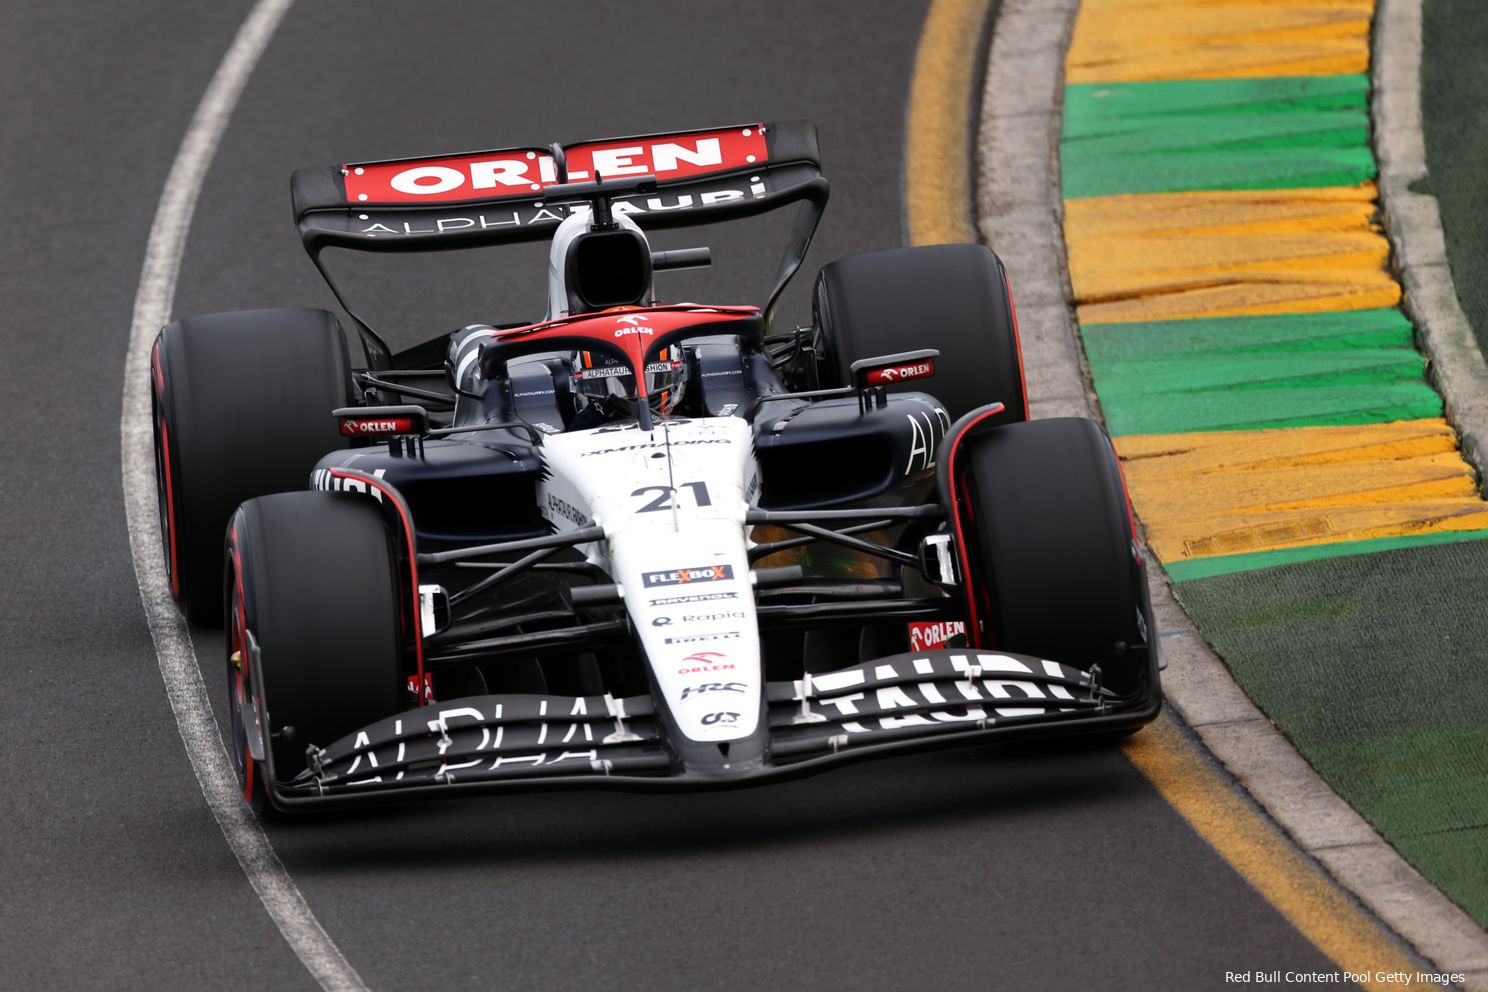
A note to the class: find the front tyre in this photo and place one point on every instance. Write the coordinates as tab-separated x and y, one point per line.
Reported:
1049	540
316	579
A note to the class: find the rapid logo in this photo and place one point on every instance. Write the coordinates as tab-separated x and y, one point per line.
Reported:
682	576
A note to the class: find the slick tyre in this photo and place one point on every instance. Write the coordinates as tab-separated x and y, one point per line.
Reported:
314	578
953	298
1049	543
242	407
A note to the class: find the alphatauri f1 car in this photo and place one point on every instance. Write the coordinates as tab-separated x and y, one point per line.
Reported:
637	544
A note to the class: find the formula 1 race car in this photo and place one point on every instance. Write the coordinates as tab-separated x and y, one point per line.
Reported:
637	544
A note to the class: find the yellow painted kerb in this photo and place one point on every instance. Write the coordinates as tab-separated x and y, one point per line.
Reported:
1167	256
1308	899
938	137
938	199
1230	492
1142	40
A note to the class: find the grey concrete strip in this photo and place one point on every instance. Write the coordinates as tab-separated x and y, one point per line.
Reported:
1414	224
1396	891
1314	816
1458	370
1020	215
1019	211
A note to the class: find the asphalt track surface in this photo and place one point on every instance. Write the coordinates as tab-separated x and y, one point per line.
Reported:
970	869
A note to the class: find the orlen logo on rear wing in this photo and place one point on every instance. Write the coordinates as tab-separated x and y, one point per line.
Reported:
515	194
524	171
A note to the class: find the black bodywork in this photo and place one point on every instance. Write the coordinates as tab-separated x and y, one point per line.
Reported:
818	448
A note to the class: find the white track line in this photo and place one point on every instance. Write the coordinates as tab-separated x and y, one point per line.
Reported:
178	664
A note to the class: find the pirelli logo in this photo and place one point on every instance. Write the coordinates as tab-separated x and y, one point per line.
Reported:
683	576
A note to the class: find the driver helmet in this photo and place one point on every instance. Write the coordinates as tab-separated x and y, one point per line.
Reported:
607	380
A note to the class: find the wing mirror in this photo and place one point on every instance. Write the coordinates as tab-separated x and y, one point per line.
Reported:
382	422
871	377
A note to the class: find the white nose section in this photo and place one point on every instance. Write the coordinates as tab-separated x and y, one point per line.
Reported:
694	611
672	504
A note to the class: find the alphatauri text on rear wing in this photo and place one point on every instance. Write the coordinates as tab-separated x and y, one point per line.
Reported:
515	195
511	195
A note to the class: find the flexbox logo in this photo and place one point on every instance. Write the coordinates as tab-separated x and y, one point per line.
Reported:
682	576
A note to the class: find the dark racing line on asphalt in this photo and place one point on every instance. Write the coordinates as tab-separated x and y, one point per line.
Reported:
949	869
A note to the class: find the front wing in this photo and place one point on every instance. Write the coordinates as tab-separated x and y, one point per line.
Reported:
888	706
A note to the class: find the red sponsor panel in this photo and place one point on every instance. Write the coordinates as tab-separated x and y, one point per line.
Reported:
518	172
525	171
929	635
421	688
901	373
620	322
366	426
677	156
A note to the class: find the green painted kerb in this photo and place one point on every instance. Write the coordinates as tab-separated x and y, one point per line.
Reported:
1166	137
1190	569
1371	656
1249	373
1374	666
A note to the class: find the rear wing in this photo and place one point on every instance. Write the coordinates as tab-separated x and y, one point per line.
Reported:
514	195
511	195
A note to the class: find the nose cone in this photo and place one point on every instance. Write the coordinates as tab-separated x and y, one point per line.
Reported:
690	598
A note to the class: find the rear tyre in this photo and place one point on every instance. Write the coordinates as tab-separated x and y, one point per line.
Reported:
315	577
242	407
953	298
1051	550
